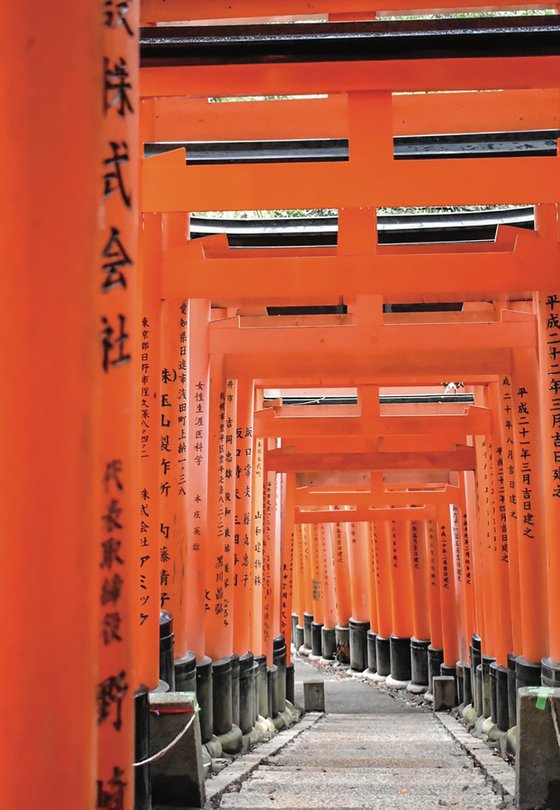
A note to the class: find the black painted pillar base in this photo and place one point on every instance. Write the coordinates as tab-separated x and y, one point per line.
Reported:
419	662
383	656
279	660
527	673
467	685
550	673
298	637
246	693
166	635
502	699
435	660
316	639
262	685
400	659
476	660
342	638
358	645
142	785
204	698
307	622
294	625
460	680
512	690
235	689
221	696
290	684
328	643
255	680
185	673
371	651
493	690
486	685
273	702
478	685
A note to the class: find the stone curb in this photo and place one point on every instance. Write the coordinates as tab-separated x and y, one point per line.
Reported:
499	772
243	767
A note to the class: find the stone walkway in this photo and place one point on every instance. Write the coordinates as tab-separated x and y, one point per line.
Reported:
369	751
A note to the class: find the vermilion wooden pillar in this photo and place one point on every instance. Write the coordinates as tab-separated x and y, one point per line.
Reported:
269	543
341	574
117	464
149	381
501	579
383	579
229	549
447	581
358	570
467	577
419	572
244	518
219	637
327	575
287	566
258	544
508	455
197	605
485	570
299	574
401	580
548	316
530	508
432	545
316	581
172	488
51	356
372	575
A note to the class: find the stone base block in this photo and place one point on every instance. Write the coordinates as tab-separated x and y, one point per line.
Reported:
314	696
445	692
178	777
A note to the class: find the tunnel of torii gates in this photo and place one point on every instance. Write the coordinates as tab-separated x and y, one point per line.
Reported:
173	452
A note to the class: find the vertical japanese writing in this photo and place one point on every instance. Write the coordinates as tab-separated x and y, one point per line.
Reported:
115	335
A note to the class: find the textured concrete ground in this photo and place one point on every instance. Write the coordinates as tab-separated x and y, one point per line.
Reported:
370	751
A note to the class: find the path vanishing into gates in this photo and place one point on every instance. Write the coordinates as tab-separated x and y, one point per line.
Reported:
370	750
